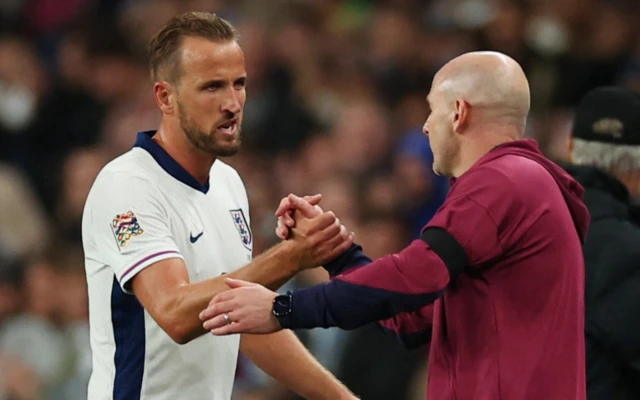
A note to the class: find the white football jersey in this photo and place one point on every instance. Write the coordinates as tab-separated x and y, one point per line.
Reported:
143	208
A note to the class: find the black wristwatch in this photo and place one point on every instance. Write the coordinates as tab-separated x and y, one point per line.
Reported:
282	309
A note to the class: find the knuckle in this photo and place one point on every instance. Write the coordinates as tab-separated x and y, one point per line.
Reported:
315	241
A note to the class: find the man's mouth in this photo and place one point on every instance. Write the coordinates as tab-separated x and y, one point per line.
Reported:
229	128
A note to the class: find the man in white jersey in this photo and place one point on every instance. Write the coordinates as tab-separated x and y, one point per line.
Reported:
164	222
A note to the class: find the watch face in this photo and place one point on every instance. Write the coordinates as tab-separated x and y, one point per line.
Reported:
282	305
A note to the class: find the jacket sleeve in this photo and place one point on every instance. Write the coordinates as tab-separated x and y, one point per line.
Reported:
463	234
350	259
411	329
390	285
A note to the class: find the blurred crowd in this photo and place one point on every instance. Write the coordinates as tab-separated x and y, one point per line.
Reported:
336	103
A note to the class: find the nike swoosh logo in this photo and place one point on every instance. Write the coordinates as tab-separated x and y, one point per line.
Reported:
194	239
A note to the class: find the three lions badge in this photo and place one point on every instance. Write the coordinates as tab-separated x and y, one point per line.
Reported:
243	227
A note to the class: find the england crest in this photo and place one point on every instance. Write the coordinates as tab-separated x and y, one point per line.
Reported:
243	227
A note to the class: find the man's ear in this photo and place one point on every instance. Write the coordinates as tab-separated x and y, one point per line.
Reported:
164	94
570	147
461	115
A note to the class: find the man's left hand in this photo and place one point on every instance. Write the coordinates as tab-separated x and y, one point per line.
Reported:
246	308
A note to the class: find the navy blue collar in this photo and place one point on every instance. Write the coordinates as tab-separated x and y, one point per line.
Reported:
145	141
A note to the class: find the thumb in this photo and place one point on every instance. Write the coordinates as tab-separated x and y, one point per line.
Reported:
236	283
307	210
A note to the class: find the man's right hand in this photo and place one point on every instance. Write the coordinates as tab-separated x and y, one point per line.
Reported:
318	236
286	210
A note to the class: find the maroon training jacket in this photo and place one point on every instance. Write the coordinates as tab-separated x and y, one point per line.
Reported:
496	283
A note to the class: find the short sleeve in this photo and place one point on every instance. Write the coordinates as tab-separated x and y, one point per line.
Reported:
126	227
475	213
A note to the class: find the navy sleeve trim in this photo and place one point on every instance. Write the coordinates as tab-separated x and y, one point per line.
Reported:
448	249
349	306
352	258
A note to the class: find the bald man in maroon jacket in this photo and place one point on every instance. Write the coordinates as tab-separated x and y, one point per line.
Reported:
495	283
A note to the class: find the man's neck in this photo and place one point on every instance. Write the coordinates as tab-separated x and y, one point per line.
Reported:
196	162
476	148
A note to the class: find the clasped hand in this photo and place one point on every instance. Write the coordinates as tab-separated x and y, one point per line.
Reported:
247	307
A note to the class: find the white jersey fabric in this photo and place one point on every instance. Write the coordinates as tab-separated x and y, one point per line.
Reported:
144	208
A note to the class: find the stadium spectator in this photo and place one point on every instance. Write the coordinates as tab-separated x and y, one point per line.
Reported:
308	62
605	158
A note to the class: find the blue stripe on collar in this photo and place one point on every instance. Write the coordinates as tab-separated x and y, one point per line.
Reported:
171	166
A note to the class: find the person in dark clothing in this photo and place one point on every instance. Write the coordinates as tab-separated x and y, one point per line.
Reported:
496	282
605	159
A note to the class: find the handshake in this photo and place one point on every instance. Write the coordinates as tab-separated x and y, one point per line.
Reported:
312	237
317	236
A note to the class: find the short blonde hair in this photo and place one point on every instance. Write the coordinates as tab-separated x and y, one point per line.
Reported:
164	57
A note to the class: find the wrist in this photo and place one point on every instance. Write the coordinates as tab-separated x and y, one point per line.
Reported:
292	255
282	309
338	264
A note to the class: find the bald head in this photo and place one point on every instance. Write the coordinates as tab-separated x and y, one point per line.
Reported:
493	84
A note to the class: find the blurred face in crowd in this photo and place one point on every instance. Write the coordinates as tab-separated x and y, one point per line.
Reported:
382	236
210	94
439	128
9	300
39	288
80	170
73	301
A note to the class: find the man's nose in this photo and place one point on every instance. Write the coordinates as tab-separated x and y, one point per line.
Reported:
232	103
425	128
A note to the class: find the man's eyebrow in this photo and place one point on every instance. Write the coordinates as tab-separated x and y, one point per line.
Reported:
212	82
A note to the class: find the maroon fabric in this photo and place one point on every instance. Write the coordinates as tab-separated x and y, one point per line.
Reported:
517	330
512	326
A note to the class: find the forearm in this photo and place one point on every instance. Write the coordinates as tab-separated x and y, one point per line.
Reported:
282	356
271	269
391	285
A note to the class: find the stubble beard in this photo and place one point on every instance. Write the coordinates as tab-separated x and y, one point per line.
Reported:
204	141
